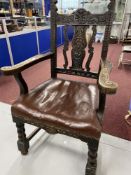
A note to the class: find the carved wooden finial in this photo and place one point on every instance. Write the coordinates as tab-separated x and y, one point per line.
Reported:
111	5
53	5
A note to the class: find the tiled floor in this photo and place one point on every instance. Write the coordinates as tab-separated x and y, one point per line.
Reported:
58	154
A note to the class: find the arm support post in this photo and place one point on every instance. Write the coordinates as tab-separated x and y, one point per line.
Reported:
21	82
18	68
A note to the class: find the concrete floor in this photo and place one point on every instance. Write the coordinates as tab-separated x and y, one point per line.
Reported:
58	154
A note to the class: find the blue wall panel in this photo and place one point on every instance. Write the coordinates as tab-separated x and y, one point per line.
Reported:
47	7
4	54
59	36
70	32
44	40
23	46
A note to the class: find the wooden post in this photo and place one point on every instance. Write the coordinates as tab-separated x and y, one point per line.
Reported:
43	7
121	36
8	41
61	6
11	7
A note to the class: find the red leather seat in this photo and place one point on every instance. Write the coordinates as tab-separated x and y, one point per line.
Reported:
67	105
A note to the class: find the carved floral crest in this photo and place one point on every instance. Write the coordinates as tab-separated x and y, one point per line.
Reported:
81	16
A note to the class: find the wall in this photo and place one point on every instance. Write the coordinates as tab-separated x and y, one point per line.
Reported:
128	10
47	7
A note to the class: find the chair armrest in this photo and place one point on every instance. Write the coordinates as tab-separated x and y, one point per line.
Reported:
10	70
106	85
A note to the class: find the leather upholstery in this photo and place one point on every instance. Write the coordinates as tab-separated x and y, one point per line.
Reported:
64	104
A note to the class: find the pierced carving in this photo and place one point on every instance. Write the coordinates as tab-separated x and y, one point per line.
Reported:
86	19
81	19
82	73
81	15
79	44
66	46
91	49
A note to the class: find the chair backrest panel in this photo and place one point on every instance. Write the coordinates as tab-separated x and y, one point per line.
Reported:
79	43
81	20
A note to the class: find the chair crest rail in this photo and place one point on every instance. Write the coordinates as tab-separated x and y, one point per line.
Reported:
83	17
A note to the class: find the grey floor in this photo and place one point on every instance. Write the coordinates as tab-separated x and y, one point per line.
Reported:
58	154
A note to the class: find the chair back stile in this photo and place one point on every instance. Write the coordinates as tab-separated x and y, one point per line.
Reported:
110	18
53	37
81	20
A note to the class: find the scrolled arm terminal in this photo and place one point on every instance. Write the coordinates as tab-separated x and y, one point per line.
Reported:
105	84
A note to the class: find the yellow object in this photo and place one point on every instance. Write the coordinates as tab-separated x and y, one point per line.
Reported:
29	12
127	118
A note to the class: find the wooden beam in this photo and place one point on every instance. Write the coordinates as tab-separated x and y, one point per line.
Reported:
11	7
61	6
43	7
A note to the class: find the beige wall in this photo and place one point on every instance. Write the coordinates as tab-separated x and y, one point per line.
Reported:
128	6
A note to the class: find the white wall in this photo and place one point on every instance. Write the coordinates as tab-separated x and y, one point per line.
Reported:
128	6
68	3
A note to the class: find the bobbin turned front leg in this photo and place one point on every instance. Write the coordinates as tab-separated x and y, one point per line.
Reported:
92	157
23	143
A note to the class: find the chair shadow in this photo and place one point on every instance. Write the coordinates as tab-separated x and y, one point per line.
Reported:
39	149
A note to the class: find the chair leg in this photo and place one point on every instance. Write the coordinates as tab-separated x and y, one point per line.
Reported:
23	143
92	157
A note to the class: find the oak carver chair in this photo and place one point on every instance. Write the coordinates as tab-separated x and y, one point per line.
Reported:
64	106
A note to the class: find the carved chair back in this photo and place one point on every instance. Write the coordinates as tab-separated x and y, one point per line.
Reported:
80	20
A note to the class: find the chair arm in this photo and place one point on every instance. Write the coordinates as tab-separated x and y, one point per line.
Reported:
106	85
10	70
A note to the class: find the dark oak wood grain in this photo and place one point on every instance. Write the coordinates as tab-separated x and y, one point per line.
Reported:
80	20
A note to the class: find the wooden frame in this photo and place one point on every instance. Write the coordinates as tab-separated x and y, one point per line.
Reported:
80	19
